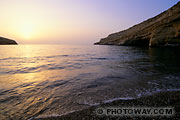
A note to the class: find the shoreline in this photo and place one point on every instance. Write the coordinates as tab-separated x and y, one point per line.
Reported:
161	99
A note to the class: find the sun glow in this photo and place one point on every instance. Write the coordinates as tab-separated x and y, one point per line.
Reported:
27	31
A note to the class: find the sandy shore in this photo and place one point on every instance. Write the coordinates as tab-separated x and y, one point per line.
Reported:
162	99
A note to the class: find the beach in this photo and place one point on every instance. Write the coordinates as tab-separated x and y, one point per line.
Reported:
161	99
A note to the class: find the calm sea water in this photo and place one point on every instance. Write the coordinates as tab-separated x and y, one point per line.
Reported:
43	80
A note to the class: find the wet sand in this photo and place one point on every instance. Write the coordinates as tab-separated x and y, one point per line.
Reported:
162	99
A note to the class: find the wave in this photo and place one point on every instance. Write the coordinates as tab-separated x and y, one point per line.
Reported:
131	98
53	115
104	102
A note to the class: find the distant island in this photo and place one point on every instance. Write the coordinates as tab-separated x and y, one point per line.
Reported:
5	41
161	30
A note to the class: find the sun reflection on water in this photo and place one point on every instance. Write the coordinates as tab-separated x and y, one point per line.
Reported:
39	80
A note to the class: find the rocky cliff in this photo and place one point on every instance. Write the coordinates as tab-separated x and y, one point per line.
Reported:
5	41
161	30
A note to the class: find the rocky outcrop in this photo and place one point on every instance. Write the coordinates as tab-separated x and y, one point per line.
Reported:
5	41
161	30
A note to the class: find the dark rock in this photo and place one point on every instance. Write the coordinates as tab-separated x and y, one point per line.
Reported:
162	30
5	41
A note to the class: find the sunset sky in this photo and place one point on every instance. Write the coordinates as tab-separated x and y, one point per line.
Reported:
73	21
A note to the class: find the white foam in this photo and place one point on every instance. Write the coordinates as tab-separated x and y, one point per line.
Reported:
48	116
55	115
140	95
91	104
156	91
163	90
115	99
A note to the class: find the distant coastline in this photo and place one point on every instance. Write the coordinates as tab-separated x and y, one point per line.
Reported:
6	41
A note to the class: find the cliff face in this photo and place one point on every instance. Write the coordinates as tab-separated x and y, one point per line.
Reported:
5	41
162	30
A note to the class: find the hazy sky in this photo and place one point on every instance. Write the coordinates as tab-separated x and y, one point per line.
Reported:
73	21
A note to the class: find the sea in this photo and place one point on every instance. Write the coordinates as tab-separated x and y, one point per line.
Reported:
39	81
